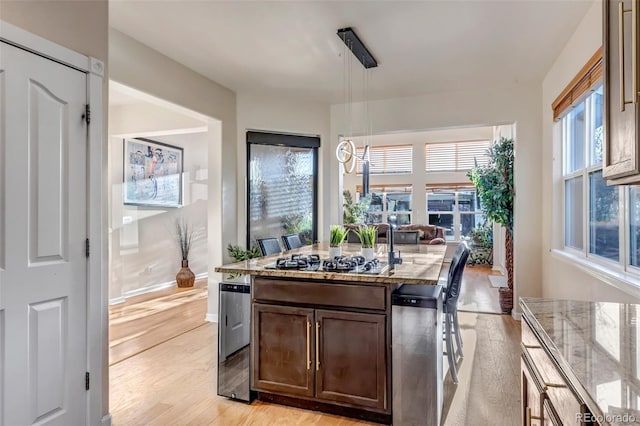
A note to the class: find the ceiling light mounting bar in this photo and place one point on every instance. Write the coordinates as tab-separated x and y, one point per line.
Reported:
359	50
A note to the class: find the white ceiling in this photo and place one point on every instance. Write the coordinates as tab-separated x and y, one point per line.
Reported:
290	48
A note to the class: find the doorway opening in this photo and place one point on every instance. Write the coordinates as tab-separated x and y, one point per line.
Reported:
158	173
420	178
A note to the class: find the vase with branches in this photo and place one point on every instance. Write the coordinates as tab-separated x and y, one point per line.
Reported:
184	233
494	183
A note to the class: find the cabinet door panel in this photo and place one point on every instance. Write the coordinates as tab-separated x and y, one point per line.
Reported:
621	132
532	397
281	353
352	354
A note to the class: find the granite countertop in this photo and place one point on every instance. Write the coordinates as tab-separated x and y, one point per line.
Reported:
420	265
596	346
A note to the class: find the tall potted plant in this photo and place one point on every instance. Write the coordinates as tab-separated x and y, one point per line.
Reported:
494	183
337	234
184	238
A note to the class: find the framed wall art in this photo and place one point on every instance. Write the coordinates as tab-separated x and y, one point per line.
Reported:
152	173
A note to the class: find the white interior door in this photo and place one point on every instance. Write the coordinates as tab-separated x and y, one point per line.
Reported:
43	227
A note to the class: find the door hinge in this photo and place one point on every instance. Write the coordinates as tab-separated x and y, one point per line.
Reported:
86	247
86	381
87	114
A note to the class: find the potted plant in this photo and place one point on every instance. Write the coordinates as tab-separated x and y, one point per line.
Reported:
337	234
367	235
481	245
184	238
494	183
239	254
354	212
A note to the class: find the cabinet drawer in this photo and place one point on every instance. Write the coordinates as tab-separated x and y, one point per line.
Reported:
558	393
327	294
528	338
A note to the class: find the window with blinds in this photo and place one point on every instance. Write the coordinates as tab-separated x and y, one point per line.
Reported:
455	156
388	160
390	203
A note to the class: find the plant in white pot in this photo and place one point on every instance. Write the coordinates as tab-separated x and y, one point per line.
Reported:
184	238
367	235
337	234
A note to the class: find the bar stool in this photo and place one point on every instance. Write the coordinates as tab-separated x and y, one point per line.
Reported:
291	241
450	306
269	246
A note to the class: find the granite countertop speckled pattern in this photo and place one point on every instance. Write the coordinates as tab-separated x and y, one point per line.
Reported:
421	265
597	347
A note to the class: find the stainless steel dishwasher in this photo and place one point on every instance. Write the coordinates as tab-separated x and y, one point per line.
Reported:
416	352
234	325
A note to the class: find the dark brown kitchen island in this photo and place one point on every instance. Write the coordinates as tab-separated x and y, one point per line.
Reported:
321	340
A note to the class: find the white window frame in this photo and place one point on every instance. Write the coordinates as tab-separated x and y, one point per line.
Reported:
456	212
385	191
622	267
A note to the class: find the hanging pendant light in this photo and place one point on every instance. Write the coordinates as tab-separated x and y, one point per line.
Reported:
346	149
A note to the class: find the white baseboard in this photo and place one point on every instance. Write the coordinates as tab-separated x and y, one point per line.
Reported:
106	420
500	269
149	289
117	300
211	317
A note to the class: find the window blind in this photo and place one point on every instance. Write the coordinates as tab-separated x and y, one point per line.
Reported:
586	80
455	156
388	160
388	188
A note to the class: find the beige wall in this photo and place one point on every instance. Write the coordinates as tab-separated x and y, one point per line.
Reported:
144	253
283	116
79	25
137	66
564	278
517	103
82	27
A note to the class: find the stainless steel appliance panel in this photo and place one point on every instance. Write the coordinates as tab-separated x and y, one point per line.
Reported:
233	340
417	355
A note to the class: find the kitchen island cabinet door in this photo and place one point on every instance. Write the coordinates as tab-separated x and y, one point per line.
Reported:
621	142
351	350
282	350
532	398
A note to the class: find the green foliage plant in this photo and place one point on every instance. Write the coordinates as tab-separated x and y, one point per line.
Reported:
337	234
239	254
483	236
354	212
367	235
494	182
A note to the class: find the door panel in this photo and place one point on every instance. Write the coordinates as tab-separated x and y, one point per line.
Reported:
43	223
620	151
46	356
352	352
48	145
281	353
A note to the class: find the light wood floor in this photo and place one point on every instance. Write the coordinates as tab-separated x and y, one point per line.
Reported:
174	382
477	294
150	319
